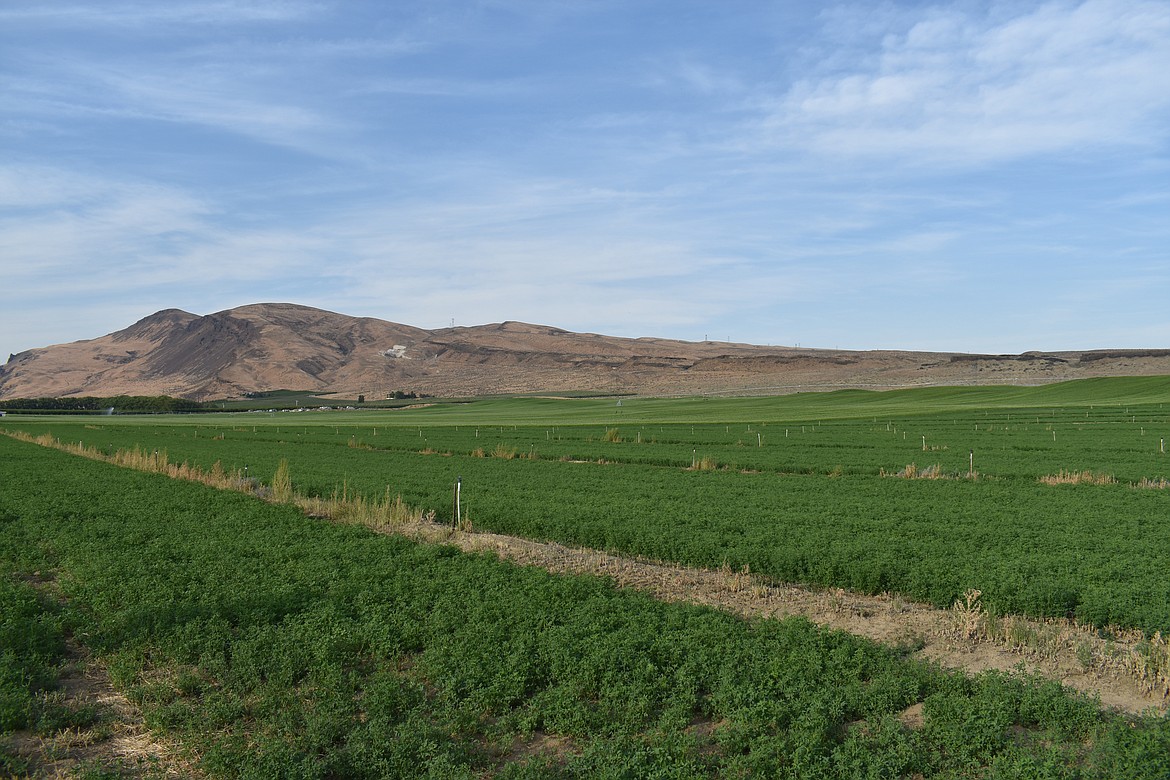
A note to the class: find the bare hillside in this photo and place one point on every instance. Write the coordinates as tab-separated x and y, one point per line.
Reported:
275	346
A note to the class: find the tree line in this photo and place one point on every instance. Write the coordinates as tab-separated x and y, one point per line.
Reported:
119	403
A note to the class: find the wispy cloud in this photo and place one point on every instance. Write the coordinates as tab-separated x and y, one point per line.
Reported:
889	170
74	89
964	89
149	14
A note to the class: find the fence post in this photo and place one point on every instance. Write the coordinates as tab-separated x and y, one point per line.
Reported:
455	517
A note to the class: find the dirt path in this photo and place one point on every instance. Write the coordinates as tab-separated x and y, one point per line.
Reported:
964	637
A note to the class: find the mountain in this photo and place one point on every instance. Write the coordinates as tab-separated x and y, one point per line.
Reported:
273	346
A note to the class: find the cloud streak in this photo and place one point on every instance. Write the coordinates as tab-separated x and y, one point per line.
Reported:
964	90
841	175
149	15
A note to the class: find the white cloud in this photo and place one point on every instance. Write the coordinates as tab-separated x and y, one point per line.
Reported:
961	89
572	173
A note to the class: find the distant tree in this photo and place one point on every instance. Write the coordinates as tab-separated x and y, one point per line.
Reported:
121	403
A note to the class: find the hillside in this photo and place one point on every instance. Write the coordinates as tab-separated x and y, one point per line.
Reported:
274	346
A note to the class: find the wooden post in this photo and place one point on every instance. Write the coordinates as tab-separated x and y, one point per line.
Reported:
971	468
760	438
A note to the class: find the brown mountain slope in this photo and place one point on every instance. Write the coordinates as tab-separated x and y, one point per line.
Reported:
285	346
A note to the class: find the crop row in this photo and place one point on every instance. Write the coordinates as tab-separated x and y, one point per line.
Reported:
1093	552
1130	443
273	645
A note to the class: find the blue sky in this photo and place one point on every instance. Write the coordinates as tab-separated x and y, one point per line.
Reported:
964	176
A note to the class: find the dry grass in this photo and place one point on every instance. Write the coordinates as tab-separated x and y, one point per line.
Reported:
737	581
1078	478
1113	652
384	514
913	471
704	463
612	435
933	471
1092	478
967	615
282	489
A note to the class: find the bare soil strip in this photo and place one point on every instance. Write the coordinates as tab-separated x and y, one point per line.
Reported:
964	637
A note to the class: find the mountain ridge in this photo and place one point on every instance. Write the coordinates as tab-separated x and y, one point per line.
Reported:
269	346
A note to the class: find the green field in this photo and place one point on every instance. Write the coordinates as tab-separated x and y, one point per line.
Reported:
270	645
800	489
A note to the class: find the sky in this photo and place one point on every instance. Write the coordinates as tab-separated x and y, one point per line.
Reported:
961	176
